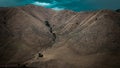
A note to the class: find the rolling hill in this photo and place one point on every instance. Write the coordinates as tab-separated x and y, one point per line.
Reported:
37	37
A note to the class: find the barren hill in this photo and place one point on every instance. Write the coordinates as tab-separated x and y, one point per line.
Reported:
37	37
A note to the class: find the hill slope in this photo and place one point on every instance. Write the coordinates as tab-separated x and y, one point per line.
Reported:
43	38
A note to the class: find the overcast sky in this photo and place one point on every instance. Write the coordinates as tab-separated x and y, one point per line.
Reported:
76	5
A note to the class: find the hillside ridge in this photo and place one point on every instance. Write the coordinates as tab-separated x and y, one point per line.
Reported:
37	37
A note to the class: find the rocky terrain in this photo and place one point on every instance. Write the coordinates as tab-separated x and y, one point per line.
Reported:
37	37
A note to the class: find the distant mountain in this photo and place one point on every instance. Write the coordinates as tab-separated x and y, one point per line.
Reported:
118	10
37	37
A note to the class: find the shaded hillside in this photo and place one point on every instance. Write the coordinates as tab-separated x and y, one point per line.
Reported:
43	38
22	35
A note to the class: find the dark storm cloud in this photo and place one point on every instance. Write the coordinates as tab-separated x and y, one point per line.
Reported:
9	3
105	3
77	5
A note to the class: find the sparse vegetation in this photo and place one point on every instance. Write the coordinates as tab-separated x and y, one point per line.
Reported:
40	55
50	29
